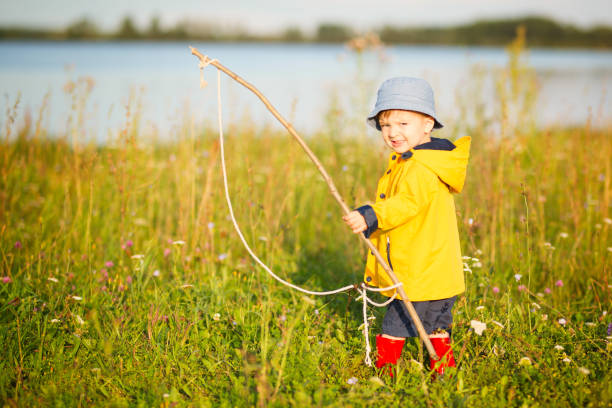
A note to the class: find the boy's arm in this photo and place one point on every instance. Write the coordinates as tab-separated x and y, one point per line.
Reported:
415	191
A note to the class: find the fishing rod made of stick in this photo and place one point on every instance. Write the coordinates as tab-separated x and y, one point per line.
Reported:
205	60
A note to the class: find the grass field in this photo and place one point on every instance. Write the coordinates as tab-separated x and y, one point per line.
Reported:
124	283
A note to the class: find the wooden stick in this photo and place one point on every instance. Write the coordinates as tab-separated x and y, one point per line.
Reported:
332	189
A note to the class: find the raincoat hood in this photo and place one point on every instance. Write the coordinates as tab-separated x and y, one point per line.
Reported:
449	165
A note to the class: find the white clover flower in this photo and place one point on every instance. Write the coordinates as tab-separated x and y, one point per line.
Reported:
563	235
156	273
478	326
79	319
524	361
480	307
559	347
264	239
216	317
566	360
535	305
470	221
590	324
77	298
607	221
166	395
52	279
518	276
477	264
562	321
478	252
221	257
465	258
211	225
178	243
55	320
544	317
138	256
584	370
352	380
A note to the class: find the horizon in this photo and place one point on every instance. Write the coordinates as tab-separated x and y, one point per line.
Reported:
265	17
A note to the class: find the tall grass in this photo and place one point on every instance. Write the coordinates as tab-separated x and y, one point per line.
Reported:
125	284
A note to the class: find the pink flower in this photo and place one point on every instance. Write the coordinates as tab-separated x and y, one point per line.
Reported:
522	288
559	283
6	279
18	245
167	252
547	291
129	243
109	264
495	289
128	279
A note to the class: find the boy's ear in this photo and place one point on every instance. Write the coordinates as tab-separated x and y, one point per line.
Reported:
429	124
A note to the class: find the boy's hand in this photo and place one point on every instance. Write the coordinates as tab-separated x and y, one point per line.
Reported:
355	221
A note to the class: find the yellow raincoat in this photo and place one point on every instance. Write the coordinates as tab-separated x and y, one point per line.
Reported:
417	225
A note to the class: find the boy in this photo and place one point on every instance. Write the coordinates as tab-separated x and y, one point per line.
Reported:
413	219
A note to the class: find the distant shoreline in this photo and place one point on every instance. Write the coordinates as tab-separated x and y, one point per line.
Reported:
541	32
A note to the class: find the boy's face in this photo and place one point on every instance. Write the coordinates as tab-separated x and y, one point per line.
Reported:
402	130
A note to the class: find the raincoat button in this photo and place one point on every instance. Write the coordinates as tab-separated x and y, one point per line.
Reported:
382	195
369	279
388	171
393	157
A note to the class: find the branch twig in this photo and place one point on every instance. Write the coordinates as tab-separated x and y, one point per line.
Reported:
332	189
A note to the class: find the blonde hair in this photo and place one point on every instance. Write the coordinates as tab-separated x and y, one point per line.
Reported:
386	113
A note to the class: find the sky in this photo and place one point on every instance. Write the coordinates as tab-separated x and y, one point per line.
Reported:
267	16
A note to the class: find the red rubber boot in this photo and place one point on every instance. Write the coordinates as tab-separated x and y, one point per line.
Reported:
389	351
441	344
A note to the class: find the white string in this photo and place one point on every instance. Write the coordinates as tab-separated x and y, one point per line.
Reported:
364	287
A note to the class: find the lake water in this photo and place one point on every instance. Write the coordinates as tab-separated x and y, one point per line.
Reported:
298	79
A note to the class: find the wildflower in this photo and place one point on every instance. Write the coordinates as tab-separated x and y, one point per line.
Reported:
559	347
470	221
235	323
478	326
522	288
167	252
539	294
187	285
478	252
137	256
610	329
77	298
524	361
156	273
563	235
345	168
495	289
597	226
262	238
559	283
477	264
52	279
178	243
221	257
128	279
127	244
18	245
316	311
549	246
79	319
211	225
6	279
109	264
584	370
547	291
167	395
562	321
590	324
216	317
536	306
518	276
566	360
352	381
480	308
608	221
497	323
544	316
609	249
282	318
55	320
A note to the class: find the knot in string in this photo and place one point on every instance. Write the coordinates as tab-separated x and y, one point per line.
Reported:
203	64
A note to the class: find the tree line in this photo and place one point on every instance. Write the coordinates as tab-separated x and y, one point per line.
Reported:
541	31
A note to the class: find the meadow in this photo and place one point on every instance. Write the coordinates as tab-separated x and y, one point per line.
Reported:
125	284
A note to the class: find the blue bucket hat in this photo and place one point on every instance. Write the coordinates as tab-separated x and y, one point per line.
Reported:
405	93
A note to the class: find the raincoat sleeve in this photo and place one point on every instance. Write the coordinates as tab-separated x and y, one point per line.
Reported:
415	191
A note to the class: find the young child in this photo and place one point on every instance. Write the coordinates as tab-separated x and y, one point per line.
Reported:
413	220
